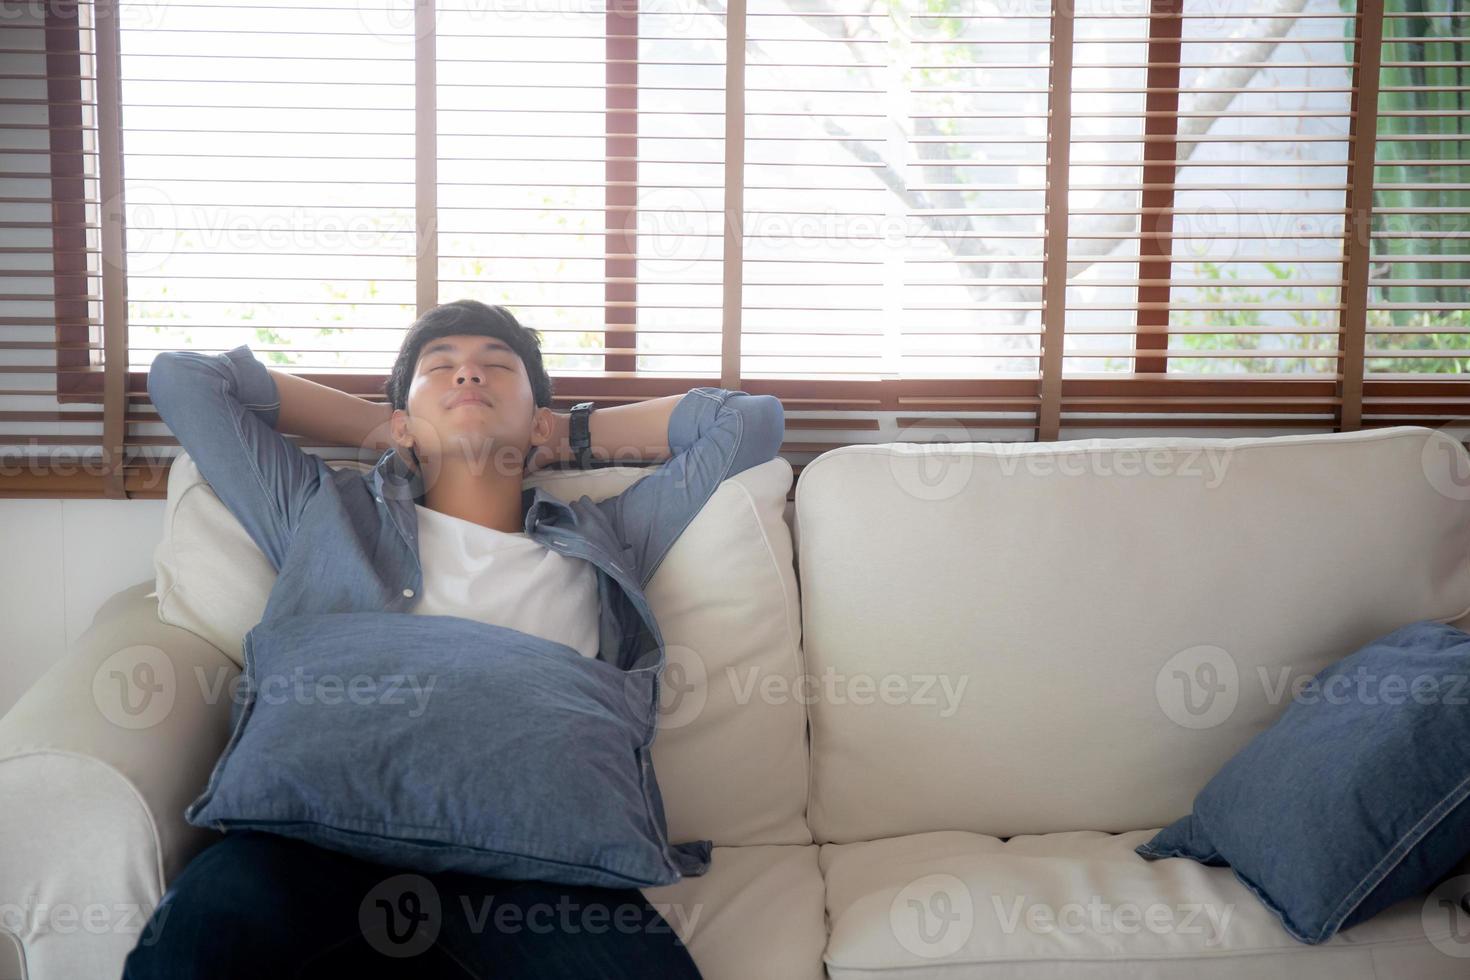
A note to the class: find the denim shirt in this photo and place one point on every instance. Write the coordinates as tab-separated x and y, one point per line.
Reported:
344	540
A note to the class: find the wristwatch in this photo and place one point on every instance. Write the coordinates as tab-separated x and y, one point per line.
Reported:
581	434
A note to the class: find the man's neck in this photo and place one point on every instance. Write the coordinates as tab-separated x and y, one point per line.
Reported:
489	499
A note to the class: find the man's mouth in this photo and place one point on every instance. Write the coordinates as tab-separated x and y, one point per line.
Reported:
470	401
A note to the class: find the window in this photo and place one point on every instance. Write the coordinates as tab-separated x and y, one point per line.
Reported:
930	221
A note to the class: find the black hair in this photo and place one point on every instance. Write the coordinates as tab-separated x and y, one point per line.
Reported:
468	316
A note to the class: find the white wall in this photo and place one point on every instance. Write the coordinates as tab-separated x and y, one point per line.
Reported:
61	560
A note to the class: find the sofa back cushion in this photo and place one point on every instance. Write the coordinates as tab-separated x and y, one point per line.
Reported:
732	766
1026	639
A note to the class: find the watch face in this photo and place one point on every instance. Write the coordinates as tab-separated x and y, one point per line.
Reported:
580	430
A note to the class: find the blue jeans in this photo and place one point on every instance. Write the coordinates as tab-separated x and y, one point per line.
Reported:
258	905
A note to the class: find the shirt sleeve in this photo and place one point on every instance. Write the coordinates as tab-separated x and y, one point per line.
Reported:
714	433
223	409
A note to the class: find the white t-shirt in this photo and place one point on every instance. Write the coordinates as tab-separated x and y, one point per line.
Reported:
506	579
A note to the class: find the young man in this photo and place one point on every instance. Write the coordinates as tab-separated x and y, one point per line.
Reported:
467	417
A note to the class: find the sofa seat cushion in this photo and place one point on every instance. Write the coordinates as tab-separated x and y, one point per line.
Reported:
757	912
1081	904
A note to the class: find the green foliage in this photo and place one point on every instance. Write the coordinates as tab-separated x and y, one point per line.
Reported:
1405	165
1234	307
1425	324
1247	308
1431	317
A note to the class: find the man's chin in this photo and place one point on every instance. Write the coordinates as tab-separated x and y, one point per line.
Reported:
481	451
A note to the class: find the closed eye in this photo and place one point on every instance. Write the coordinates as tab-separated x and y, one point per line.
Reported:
443	367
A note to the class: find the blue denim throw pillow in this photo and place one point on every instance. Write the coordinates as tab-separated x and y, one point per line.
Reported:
1356	798
442	743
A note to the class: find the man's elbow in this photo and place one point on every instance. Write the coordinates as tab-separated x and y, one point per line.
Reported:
160	372
182	382
762	431
773	429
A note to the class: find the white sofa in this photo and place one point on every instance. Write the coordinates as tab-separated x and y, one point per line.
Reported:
1004	668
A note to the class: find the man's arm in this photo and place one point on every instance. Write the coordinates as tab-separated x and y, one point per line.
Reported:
324	416
713	434
223	409
632	433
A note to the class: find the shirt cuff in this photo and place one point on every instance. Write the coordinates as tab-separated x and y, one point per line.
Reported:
694	413
255	389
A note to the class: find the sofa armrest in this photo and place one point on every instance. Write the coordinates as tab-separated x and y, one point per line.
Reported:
103	755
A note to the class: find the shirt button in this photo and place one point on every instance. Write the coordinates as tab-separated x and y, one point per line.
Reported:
380	500
408	592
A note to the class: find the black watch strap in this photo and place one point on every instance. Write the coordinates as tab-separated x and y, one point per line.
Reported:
580	435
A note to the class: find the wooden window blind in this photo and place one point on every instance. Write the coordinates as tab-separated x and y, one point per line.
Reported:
270	184
1418	260
52	223
581	175
939	221
1209	187
895	202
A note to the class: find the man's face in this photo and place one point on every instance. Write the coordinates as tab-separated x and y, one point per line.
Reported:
470	397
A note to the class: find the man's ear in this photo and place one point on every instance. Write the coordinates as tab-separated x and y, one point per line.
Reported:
401	435
543	426
398	428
